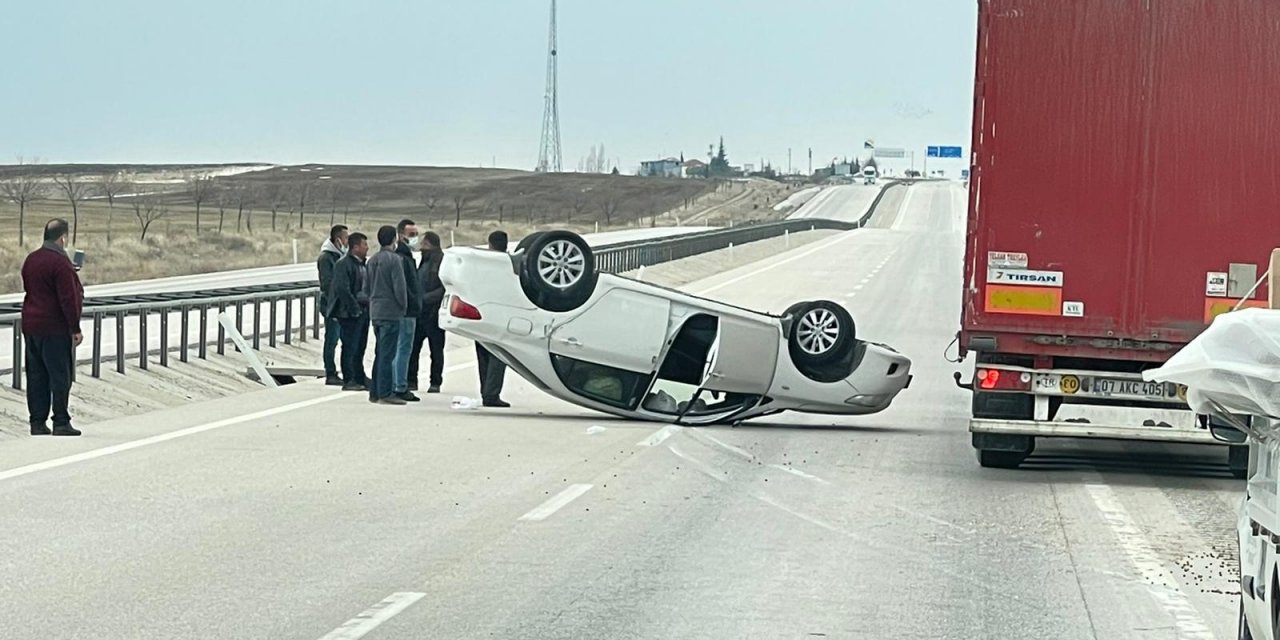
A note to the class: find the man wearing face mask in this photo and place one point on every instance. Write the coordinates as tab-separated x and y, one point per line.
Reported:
330	252
409	243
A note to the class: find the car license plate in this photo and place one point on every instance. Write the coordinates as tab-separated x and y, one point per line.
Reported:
1127	388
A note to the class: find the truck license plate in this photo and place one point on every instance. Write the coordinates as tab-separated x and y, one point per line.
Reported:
1113	387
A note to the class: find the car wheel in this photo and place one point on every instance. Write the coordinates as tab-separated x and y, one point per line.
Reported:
558	271
821	332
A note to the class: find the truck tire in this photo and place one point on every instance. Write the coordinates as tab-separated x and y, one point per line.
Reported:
1000	459
1238	461
558	271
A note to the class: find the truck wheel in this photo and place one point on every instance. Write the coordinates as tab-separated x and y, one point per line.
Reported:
821	332
1000	459
1238	460
558	271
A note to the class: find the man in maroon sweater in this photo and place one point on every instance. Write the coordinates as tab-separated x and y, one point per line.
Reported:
51	330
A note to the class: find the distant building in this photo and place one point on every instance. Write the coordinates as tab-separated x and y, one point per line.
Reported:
843	169
693	168
665	168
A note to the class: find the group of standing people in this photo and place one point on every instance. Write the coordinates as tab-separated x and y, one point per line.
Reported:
398	293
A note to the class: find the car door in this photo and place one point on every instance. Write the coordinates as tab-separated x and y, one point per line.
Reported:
623	329
744	357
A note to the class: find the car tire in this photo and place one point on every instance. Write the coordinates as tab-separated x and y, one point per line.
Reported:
558	270
528	240
821	332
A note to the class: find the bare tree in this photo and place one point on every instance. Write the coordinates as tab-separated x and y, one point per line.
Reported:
459	203
302	192
199	187
578	206
430	201
75	190
608	207
502	210
22	188
147	208
111	185
222	197
280	198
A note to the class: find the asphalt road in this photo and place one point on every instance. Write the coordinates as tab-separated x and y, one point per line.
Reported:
304	513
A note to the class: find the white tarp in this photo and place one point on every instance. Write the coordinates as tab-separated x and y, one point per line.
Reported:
1234	363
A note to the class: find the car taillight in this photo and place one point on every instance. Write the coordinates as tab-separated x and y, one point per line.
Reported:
999	380
460	309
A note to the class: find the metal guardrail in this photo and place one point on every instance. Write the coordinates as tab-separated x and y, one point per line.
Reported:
186	305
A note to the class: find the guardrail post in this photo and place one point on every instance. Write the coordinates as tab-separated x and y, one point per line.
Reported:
120	342
239	318
302	318
288	320
18	352
186	330
257	324
222	332
164	337
315	316
271	337
95	369
202	351
142	340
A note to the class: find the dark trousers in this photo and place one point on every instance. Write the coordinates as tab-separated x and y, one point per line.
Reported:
332	334
387	334
492	371
50	372
428	331
355	341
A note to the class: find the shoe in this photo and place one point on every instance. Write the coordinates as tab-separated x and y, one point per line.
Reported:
408	396
393	400
332	381
354	386
40	430
66	430
413	385
496	403
435	388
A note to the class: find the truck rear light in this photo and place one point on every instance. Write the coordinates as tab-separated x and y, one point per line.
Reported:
460	309
1001	380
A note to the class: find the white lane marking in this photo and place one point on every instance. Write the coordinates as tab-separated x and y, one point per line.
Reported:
725	445
701	466
370	618
657	437
181	433
778	263
556	503
1160	583
799	473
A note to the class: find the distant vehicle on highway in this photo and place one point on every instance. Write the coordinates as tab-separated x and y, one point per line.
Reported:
869	175
639	350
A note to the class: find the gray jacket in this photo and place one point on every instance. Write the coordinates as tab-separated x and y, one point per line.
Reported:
388	291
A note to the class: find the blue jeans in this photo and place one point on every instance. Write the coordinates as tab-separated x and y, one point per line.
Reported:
387	333
332	333
404	349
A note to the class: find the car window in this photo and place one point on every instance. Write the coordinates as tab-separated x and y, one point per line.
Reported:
615	387
683	372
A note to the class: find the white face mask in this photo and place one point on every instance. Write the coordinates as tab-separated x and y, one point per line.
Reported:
415	242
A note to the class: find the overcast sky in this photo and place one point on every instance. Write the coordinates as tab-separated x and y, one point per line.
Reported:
460	82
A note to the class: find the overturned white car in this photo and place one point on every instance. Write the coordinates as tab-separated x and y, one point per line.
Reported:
1232	373
639	350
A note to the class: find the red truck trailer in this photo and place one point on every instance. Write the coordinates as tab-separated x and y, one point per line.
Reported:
1124	189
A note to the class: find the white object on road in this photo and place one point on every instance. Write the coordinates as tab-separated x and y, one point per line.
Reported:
463	403
595	429
249	354
641	351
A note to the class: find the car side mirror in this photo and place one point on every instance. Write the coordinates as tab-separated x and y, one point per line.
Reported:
1229	435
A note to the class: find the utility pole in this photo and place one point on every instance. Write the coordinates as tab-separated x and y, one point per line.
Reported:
549	150
788	160
810	160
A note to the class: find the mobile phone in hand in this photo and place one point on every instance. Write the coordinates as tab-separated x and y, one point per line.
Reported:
78	259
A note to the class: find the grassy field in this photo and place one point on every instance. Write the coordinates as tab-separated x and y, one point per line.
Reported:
250	219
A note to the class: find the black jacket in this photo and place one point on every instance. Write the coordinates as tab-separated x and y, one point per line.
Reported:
411	281
432	288
348	294
329	256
